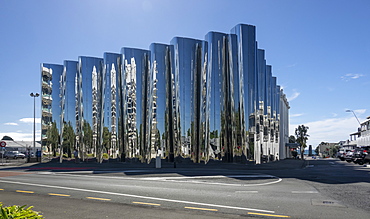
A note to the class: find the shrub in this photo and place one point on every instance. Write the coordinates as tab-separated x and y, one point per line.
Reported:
18	212
105	156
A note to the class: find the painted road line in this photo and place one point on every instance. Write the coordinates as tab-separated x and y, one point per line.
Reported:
175	179
1	189
246	192
268	215
145	203
55	194
305	192
21	191
102	199
139	196
203	209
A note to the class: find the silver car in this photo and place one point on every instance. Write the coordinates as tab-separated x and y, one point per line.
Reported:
14	155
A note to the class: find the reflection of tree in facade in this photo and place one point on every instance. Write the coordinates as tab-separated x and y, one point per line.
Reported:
107	138
130	74
52	138
69	138
88	137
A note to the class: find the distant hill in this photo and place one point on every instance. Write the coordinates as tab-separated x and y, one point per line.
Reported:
7	138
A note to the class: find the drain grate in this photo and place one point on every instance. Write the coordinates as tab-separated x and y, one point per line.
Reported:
332	203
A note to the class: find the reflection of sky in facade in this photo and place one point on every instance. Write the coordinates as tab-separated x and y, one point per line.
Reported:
112	95
69	79
215	67
87	65
158	56
262	79
246	36
184	68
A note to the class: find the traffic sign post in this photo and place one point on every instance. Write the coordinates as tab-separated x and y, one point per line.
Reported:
3	145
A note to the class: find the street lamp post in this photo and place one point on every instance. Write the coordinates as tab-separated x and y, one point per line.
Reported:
34	121
348	111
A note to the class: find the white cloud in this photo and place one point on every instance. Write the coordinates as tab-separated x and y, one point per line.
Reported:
21	136
30	120
296	115
293	96
11	123
348	77
328	130
360	111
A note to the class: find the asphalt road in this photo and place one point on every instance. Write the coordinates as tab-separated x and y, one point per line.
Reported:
321	189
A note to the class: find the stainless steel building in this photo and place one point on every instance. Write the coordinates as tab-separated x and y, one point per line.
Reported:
51	76
189	99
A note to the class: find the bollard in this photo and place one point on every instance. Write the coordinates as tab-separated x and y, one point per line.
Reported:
158	162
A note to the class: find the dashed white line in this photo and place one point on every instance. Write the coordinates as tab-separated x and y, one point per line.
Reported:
305	192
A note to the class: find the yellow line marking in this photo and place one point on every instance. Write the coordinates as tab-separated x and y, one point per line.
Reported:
63	195
1	189
30	192
102	199
203	209
145	203
269	215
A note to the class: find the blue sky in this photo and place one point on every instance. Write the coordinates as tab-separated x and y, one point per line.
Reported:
319	50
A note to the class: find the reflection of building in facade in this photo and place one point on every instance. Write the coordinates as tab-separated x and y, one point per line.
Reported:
199	99
90	104
136	69
50	105
164	129
112	105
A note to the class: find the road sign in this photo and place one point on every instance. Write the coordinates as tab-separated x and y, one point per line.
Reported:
2	144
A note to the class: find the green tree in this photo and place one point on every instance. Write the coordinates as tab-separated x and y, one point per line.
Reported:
301	137
317	150
52	136
292	139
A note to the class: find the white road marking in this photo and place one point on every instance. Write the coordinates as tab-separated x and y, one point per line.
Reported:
138	196
246	191
175	179
305	192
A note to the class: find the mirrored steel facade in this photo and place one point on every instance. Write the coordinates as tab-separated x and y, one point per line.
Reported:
164	124
90	102
69	109
192	99
191	73
136	75
112	105
51	77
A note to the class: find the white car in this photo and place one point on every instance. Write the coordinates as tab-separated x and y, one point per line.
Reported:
14	154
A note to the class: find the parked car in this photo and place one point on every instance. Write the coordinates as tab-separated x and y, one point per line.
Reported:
348	156
364	155
14	154
341	153
358	156
367	158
